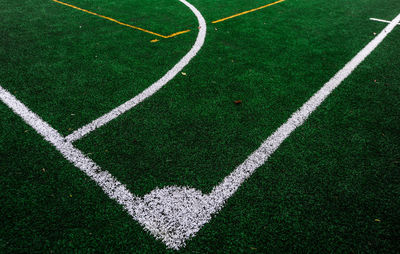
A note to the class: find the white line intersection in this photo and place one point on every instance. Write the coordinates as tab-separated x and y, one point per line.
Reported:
174	214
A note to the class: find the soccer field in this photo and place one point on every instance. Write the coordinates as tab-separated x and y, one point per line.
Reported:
200	126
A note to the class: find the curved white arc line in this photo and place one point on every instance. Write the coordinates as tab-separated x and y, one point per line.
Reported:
109	184
79	133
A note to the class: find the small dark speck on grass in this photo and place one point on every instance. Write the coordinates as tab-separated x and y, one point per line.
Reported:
238	102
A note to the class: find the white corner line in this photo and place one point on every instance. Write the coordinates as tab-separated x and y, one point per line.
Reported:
175	214
261	155
382	20
109	184
114	189
84	130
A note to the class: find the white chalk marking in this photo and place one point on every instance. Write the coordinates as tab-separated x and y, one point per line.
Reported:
175	214
79	133
382	20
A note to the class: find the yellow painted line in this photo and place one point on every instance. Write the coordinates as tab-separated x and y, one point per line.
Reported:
245	12
177	33
121	23
157	34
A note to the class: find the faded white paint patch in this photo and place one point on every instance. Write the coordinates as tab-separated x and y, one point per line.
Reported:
78	134
174	214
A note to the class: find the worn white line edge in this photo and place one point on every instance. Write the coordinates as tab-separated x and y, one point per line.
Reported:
382	20
175	214
84	130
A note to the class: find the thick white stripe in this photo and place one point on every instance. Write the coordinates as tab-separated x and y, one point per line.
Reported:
79	133
174	214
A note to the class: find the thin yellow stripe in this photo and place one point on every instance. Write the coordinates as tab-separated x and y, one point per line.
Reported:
121	23
160	35
177	33
245	12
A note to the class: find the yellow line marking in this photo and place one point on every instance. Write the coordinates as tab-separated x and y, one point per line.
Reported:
121	23
157	34
155	40
245	12
177	33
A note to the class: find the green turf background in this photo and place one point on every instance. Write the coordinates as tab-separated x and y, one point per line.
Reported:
320	192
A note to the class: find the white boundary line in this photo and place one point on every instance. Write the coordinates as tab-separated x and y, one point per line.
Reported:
174	214
382	20
114	189
79	133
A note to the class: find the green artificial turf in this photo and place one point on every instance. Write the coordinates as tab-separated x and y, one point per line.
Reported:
333	185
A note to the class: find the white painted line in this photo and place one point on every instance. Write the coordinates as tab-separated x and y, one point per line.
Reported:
261	155
182	211
79	133
110	185
174	214
114	189
382	20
